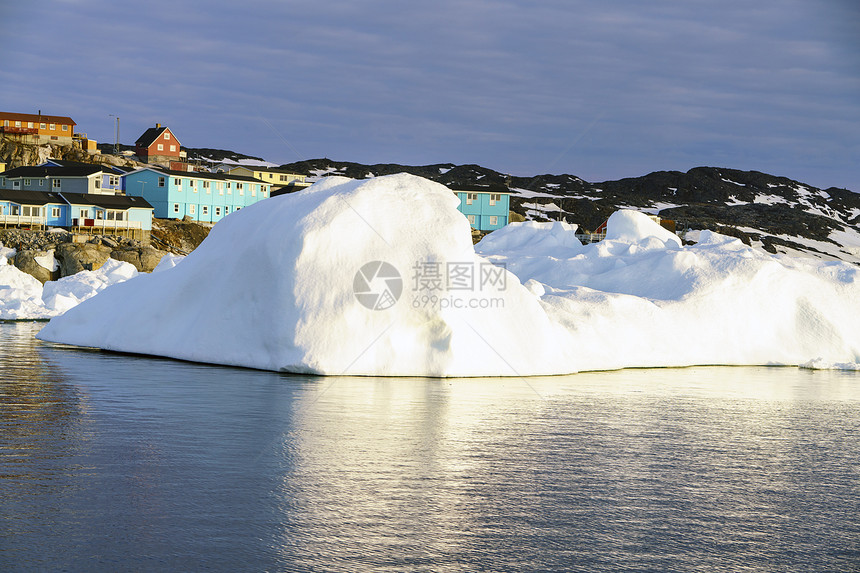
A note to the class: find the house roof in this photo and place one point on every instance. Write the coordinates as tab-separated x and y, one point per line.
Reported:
36	118
106	201
202	175
480	189
150	135
266	170
30	197
75	170
104	167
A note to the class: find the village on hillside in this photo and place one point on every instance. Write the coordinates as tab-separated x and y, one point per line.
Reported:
156	180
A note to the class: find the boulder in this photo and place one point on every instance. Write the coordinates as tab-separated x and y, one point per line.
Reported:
144	259
77	257
26	260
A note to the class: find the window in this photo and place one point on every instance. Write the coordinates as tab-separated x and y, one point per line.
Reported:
161	181
56	183
176	207
217	211
161	147
192	209
83	213
18	124
471	197
41	182
178	182
494	197
29	211
53	127
226	210
229	188
26	182
471	219
172	148
206	186
220	187
113	180
205	209
55	212
65	128
15	210
30	124
100	215
166	135
241	188
494	220
115	215
98	183
43	126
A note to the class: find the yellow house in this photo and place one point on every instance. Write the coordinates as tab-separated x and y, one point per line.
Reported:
38	128
277	178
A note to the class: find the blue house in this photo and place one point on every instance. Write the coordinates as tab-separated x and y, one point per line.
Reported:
35	209
487	208
108	213
111	175
206	197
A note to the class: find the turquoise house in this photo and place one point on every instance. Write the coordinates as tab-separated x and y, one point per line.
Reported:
203	196
487	208
81	211
108	212
32	209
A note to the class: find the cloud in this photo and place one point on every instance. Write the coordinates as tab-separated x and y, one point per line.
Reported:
506	83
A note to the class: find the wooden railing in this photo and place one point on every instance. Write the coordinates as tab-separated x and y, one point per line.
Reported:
22	220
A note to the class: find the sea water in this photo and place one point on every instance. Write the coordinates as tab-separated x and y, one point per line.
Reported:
117	462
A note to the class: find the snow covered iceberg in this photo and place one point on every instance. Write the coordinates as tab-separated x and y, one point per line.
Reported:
380	277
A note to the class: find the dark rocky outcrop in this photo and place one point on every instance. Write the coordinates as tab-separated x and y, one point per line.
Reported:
26	261
76	257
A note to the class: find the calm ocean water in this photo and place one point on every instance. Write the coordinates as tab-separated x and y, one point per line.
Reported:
125	463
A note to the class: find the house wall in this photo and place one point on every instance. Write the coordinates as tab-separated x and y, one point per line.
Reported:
167	141
56	129
206	200
482	211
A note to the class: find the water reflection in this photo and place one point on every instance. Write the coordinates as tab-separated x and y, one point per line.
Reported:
146	463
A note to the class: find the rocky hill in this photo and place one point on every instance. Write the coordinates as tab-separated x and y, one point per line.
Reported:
776	213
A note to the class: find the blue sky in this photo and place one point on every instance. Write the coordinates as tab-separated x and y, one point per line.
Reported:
601	90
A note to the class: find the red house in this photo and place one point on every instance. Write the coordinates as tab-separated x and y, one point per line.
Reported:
157	145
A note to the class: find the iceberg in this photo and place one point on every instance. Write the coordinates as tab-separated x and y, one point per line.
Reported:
380	277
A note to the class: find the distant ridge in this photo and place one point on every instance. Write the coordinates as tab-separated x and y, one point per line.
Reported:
777	213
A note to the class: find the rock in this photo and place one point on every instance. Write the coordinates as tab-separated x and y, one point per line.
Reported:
26	261
76	257
144	259
108	242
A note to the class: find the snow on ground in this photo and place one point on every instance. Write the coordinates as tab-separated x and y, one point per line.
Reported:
324	281
24	297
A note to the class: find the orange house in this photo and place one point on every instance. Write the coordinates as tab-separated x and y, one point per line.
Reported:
37	128
157	145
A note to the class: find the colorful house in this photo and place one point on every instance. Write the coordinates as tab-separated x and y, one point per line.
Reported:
38	128
203	196
32	209
77	211
487	208
280	180
108	213
50	176
158	145
111	175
